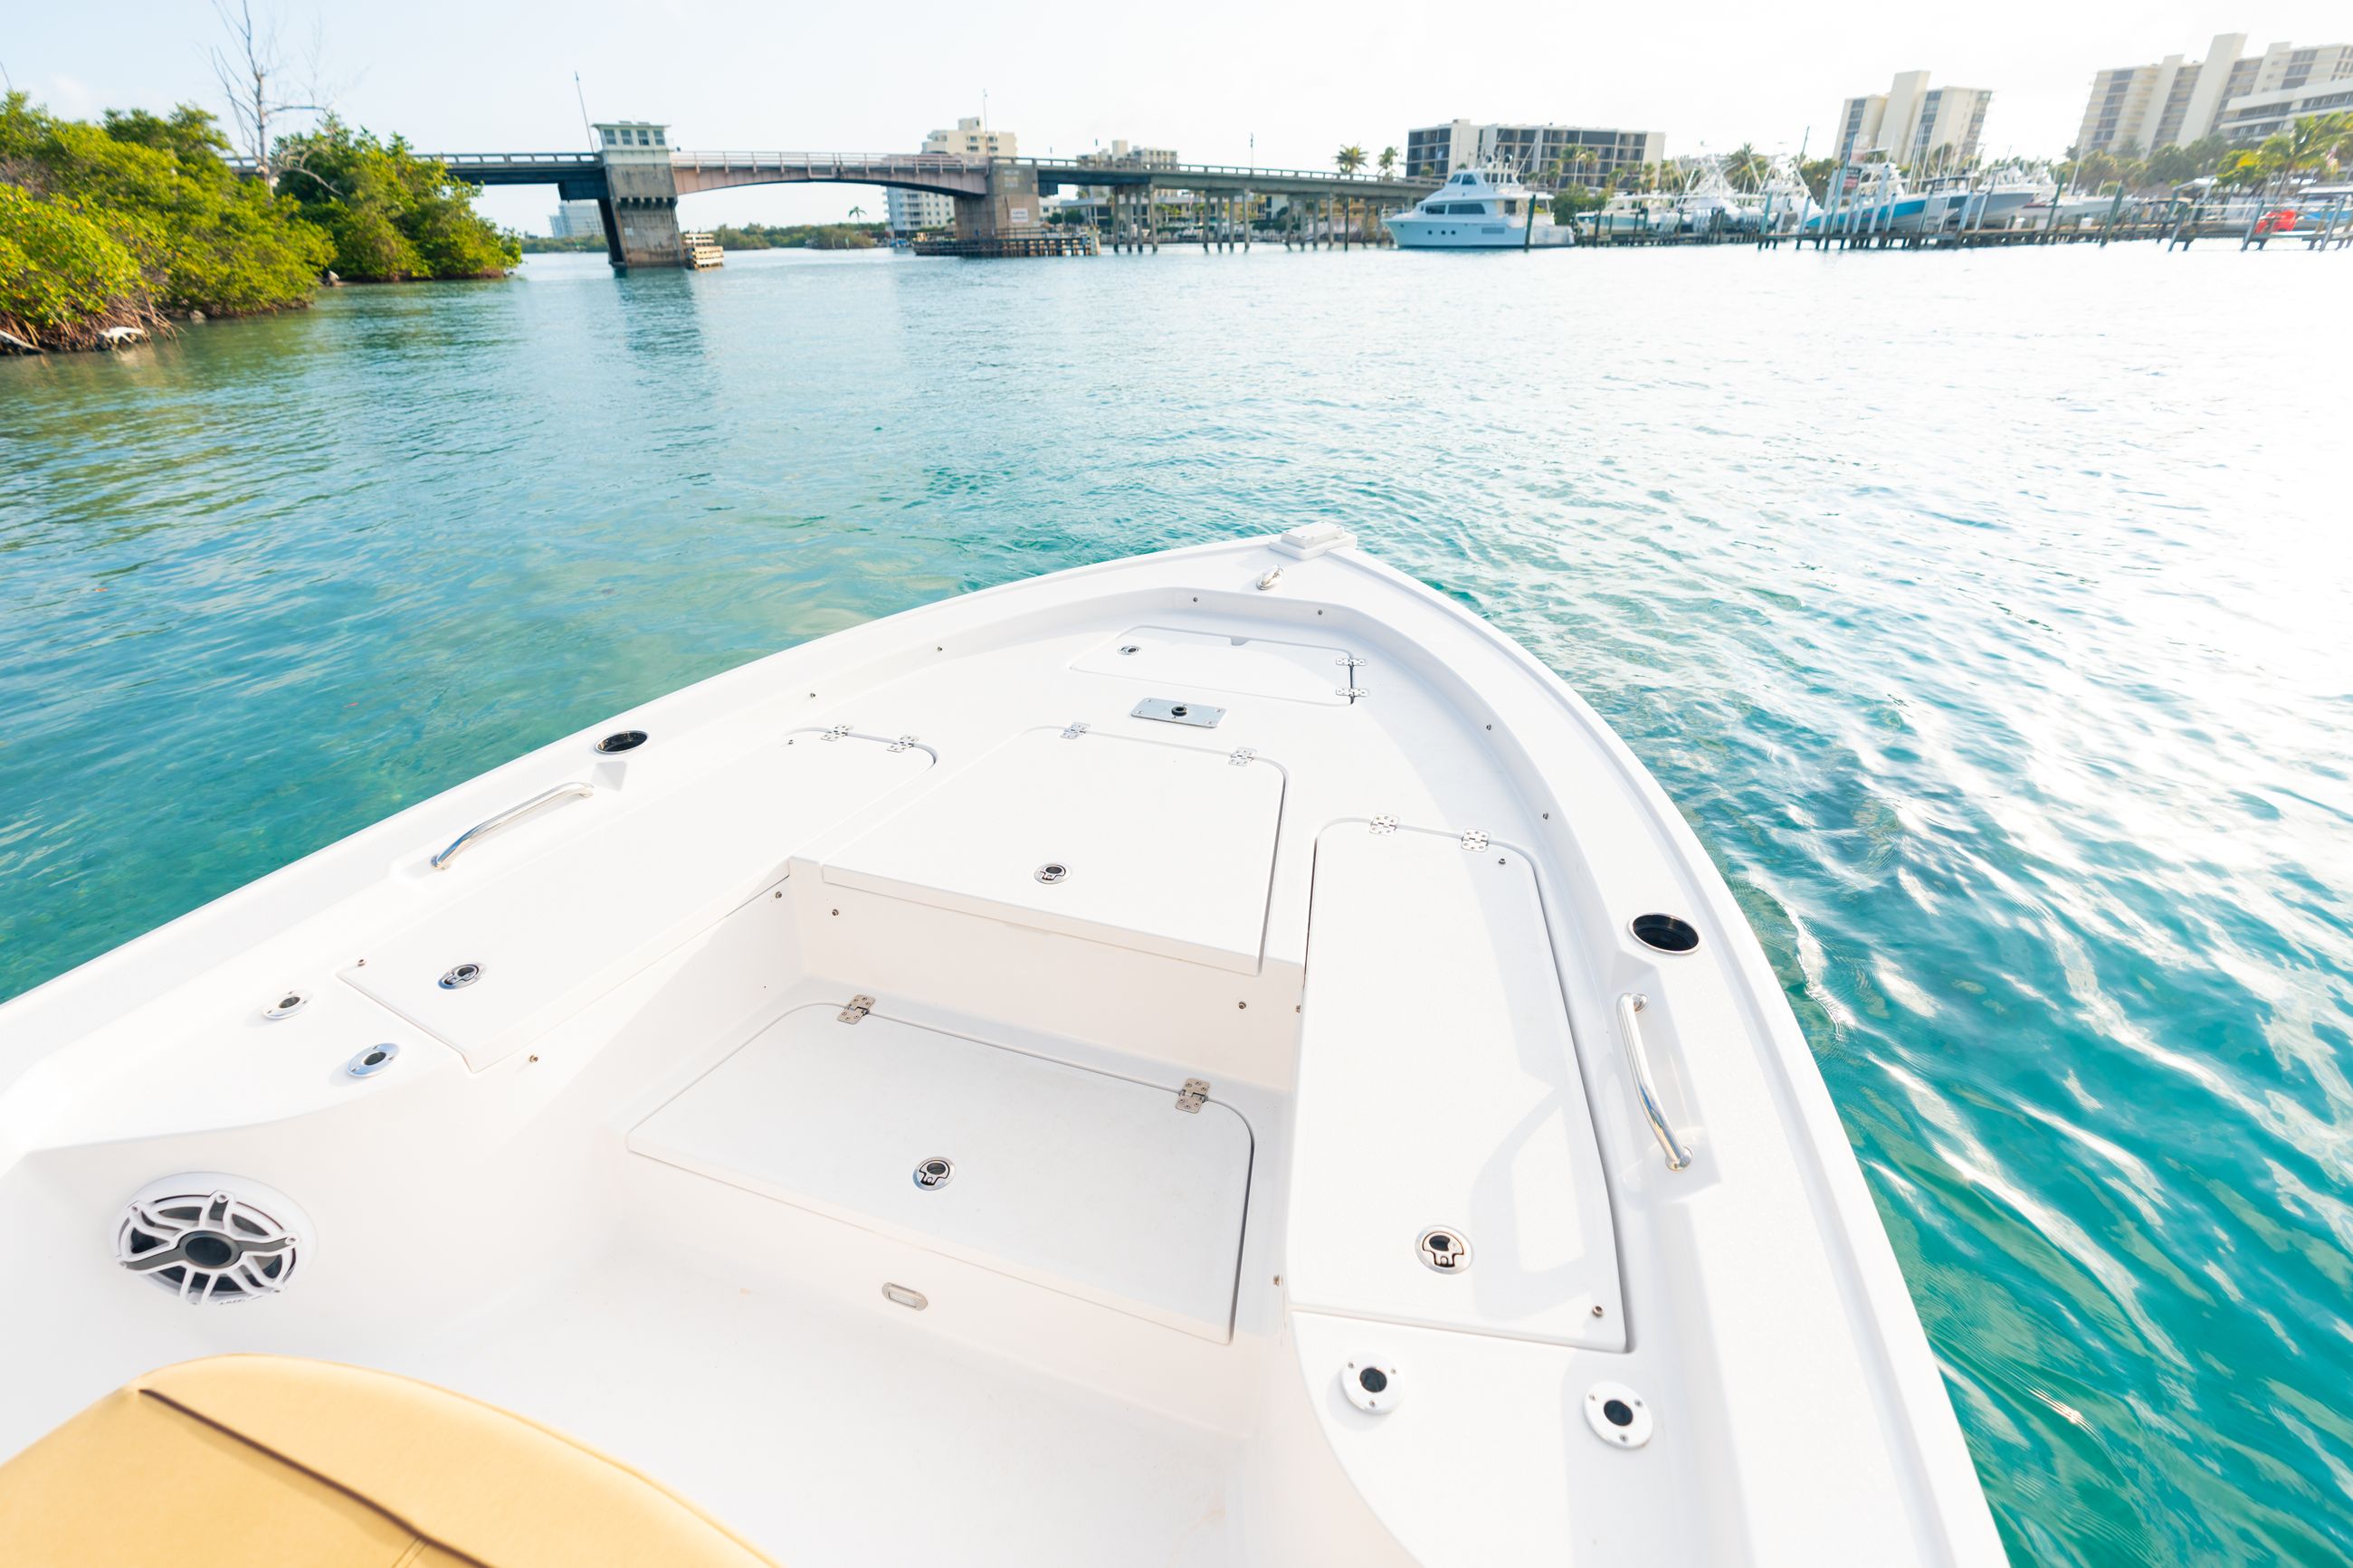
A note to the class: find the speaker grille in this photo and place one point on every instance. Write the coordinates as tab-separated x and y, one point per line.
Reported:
209	1243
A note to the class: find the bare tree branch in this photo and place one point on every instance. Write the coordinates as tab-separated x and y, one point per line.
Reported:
251	67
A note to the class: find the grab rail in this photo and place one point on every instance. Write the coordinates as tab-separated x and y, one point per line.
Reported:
511	814
1678	1155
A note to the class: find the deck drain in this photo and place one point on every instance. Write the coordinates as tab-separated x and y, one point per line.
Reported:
1664	932
1371	1384
1444	1250
288	1003
373	1060
934	1172
458	979
1618	1416
1052	871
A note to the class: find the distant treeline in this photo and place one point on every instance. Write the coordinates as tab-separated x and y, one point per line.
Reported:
139	219
800	236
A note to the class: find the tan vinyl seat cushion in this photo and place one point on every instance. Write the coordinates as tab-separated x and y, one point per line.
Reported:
258	1460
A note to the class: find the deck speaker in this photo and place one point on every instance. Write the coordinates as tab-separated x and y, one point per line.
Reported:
211	1239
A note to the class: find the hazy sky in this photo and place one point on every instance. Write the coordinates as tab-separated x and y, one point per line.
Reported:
1202	78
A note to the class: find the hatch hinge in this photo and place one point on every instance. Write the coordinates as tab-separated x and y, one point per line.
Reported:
1352	692
1077	728
1473	840
903	742
1349	661
1243	757
859	1005
1193	1096
837	732
1385	823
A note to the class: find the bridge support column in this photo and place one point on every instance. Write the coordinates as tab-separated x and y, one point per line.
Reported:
1011	206
642	212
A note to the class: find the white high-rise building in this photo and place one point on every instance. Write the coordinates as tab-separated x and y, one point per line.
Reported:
575	220
1913	123
912	212
2175	101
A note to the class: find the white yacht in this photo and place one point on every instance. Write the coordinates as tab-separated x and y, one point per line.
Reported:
1215	1058
1479	209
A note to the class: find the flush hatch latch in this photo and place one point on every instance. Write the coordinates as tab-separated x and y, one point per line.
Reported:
1193	1096
859	1005
1168	710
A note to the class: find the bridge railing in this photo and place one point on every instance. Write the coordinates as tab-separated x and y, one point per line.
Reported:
1172	170
936	163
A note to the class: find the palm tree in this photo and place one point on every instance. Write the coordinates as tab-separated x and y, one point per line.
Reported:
1388	162
1350	158
857	213
1746	168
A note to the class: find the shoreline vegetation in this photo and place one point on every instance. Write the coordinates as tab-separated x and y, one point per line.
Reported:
115	228
748	237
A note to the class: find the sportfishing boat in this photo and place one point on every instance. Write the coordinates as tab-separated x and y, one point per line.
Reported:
1479	209
1635	212
1217	1058
1786	201
1708	205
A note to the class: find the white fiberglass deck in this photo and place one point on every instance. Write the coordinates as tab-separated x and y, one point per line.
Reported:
1233	923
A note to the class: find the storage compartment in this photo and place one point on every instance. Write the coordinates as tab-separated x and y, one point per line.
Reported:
1441	1107
1165	848
1179	662
615	891
1099	1187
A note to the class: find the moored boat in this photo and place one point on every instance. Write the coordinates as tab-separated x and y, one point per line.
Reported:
1213	1057
1479	209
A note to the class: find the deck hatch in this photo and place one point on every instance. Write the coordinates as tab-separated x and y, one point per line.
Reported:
1473	1199
1075	1181
1168	659
1159	847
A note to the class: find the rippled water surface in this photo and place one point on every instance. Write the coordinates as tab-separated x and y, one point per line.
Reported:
1987	615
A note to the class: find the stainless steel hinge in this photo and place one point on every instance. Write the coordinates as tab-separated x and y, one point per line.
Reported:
1349	661
838	733
1353	692
903	742
1077	728
1193	1096
1385	823
859	1005
1243	757
1473	840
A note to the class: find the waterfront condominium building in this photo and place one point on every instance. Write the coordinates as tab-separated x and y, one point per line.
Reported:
2177	101
576	220
912	212
1912	123
1434	151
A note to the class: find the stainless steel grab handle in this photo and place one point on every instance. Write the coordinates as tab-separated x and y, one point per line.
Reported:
511	814
1678	1155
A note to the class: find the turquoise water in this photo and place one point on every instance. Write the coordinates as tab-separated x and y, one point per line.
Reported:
1986	615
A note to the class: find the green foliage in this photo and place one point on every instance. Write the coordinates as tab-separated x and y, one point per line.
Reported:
156	187
391	214
798	235
63	276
